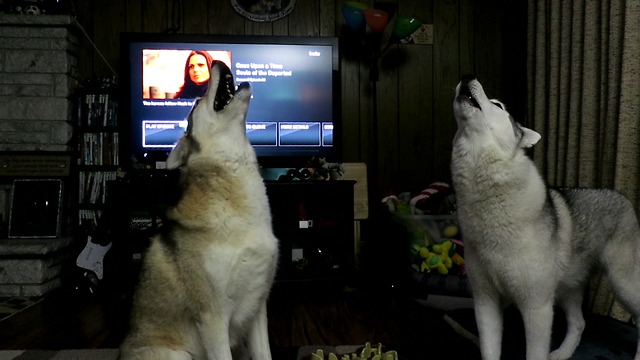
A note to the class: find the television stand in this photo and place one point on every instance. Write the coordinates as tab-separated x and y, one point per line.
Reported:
314	222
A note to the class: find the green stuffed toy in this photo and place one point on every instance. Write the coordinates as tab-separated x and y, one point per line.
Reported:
445	250
432	261
440	257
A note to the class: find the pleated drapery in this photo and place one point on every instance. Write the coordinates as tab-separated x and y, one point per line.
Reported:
584	99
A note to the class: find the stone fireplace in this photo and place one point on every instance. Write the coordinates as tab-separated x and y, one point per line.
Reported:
38	66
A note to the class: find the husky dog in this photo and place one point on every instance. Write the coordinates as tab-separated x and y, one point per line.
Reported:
527	244
205	279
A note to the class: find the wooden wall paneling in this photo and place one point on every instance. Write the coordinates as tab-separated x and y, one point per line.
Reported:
513	55
386	111
84	17
383	119
154	16
281	27
133	15
368	141
466	43
133	24
500	53
258	27
358	68
194	16
350	95
446	75
351	117
304	20
223	19
174	16
328	15
106	38
387	123
488	37
416	109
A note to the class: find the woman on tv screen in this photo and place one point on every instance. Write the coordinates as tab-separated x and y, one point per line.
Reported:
196	75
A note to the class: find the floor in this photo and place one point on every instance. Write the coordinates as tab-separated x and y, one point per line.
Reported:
300	314
9	306
312	314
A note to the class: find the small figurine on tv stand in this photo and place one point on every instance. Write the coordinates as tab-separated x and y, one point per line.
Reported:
323	170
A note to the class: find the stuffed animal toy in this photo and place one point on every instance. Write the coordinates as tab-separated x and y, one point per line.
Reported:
397	204
432	261
441	257
429	200
445	250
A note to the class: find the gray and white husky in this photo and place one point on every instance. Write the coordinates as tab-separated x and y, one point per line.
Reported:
205	280
527	244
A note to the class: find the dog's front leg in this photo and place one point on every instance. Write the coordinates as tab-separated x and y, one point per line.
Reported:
259	336
489	318
538	320
214	333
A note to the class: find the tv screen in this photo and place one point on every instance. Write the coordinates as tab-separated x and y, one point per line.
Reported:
294	114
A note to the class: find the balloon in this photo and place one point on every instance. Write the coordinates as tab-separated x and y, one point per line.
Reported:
376	19
405	26
353	16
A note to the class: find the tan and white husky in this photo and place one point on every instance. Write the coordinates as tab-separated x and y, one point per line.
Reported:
205	280
528	244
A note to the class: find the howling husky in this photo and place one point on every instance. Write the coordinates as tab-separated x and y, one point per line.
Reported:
206	278
526	243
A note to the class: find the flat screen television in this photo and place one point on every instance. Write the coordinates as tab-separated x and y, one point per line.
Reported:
294	114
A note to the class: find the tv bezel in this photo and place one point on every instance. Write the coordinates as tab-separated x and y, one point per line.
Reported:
131	158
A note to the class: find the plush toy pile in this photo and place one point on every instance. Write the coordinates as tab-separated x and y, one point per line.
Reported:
435	242
365	353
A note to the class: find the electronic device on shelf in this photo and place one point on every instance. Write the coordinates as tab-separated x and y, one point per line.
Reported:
294	113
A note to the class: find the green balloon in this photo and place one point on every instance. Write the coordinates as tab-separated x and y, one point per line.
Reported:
405	26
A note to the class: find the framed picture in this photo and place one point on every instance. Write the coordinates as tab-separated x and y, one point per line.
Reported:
36	206
263	10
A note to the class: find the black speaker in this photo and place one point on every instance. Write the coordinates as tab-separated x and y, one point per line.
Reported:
36	206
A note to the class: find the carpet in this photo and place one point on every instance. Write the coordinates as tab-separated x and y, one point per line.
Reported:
604	338
10	306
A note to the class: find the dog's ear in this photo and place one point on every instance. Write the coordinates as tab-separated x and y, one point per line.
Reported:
178	156
529	138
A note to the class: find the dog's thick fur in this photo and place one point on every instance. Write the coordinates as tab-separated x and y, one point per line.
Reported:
205	279
527	244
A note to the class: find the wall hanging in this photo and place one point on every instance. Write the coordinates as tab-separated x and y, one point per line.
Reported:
263	10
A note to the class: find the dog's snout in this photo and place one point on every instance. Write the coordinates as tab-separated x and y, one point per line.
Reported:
467	78
464	91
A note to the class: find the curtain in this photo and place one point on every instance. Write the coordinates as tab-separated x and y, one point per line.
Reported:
584	99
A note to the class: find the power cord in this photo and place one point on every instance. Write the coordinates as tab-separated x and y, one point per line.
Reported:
95	47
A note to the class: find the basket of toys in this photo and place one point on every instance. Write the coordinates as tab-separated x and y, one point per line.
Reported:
434	249
434	243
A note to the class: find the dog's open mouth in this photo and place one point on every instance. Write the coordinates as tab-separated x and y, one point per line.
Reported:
466	92
226	87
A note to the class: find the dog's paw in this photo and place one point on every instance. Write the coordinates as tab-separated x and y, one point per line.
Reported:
559	355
